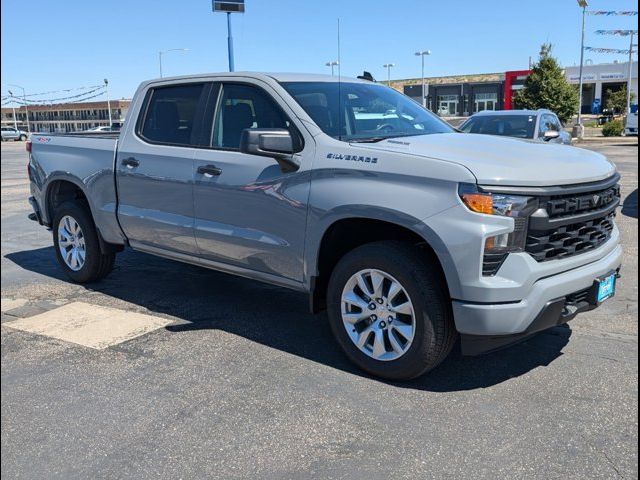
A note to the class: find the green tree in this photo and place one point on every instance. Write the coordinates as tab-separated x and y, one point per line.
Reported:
547	87
617	101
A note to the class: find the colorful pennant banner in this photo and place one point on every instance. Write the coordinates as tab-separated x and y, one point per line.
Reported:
626	13
606	50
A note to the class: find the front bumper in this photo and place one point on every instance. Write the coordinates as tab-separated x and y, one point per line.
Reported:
542	308
555	312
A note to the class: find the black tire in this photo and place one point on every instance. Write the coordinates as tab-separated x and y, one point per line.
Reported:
435	333
97	265
23	138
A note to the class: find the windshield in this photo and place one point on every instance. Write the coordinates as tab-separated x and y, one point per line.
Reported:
370	112
520	126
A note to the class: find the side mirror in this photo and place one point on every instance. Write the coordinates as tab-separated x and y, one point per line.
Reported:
550	135
275	143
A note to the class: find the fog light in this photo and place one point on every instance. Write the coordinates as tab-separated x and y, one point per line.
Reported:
497	242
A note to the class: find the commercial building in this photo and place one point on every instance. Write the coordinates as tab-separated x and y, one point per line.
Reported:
599	81
457	96
65	117
463	95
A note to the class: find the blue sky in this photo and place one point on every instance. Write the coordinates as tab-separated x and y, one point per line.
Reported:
54	45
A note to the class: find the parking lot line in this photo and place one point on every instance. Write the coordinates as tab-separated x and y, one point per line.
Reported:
90	325
10	303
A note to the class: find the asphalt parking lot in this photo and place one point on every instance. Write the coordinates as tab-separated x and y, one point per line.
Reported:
238	380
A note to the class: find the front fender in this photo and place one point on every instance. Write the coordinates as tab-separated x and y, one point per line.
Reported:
317	229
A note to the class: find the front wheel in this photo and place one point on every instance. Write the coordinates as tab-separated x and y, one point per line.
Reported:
77	246
389	312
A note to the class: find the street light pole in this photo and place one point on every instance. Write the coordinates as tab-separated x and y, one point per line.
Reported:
162	52
580	129
424	93
24	100
106	86
332	64
388	67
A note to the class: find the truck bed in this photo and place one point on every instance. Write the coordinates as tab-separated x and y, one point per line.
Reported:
80	134
84	159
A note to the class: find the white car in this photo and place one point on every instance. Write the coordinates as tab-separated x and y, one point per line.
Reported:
10	133
538	125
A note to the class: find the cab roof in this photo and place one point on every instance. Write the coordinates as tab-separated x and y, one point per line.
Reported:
277	76
512	112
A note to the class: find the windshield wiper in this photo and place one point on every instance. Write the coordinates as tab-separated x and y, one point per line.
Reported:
379	139
368	139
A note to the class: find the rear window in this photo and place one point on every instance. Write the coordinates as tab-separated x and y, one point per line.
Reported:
520	126
171	114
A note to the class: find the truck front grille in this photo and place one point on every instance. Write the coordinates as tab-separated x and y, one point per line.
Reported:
568	240
579	221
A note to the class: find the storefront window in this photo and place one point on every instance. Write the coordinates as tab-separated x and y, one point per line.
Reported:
485	101
447	105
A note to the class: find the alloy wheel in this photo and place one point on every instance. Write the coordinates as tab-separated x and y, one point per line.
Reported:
378	314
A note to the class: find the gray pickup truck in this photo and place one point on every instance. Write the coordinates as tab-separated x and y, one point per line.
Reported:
409	233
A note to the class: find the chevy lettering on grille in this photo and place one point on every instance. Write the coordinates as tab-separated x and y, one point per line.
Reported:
583	203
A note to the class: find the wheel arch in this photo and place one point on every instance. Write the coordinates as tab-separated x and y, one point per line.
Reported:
343	233
62	189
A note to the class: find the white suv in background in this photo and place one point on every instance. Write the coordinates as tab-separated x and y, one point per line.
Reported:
10	133
539	125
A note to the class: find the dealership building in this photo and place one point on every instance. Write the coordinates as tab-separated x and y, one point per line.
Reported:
464	95
65	117
599	81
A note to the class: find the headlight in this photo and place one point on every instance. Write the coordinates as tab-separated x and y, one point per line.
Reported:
495	203
518	207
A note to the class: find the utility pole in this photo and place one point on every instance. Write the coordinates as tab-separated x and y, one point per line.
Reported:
388	67
579	129
106	86
422	54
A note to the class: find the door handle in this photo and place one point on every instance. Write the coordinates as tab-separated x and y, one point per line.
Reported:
209	170
130	162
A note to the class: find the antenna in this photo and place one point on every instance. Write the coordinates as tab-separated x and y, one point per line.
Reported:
339	87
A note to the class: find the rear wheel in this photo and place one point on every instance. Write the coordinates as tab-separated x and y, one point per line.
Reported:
77	246
389	311
23	138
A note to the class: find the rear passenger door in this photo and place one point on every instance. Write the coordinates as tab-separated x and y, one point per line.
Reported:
248	213
155	170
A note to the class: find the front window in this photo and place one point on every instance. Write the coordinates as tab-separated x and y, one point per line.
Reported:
361	112
241	107
520	126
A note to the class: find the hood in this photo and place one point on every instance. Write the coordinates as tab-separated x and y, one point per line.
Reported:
507	161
